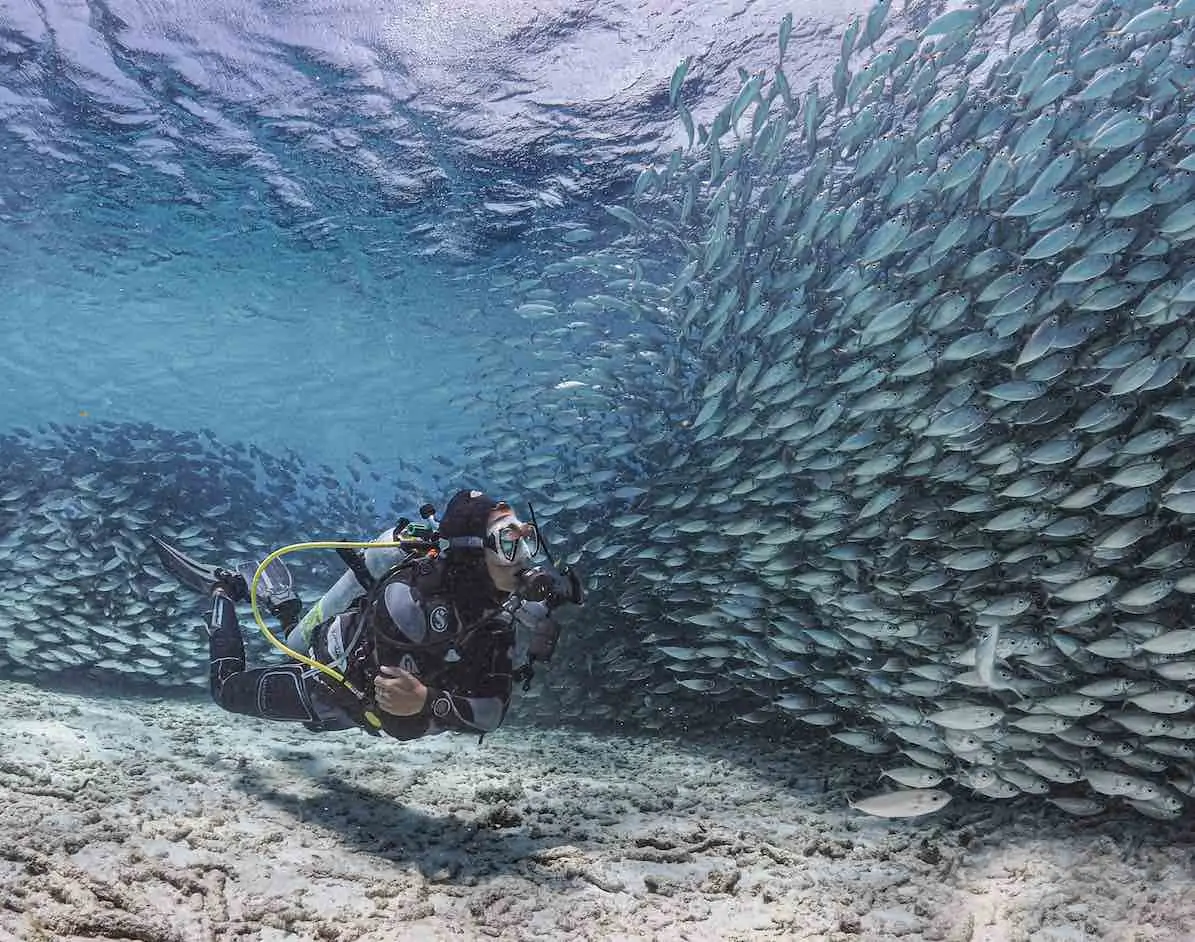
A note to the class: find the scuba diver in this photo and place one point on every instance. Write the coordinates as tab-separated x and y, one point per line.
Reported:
412	647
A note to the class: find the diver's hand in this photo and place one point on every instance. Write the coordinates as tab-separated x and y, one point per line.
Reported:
399	692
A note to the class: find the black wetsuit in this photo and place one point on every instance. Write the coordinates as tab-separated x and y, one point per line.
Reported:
408	621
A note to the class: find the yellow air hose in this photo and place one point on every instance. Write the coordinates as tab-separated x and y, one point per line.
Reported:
370	717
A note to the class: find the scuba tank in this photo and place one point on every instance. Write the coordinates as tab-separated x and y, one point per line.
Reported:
365	567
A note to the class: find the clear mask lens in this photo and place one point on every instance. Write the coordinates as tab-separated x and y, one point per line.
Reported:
513	543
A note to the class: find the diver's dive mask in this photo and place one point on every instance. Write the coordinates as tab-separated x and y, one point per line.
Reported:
510	541
516	545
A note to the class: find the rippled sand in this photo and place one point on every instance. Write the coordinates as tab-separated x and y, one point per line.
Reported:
155	820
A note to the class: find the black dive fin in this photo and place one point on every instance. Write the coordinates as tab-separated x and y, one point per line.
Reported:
194	575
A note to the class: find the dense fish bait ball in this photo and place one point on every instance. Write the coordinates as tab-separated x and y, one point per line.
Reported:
84	597
884	390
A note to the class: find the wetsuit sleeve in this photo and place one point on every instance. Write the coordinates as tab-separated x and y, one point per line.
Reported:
540	631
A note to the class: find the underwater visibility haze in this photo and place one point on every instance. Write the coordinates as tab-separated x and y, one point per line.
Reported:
248	208
846	349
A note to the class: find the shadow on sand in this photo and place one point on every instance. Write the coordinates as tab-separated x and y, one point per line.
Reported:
452	847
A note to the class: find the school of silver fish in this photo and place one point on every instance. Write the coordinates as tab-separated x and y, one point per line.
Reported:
900	442
86	603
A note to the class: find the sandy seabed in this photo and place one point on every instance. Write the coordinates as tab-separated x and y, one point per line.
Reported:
164	820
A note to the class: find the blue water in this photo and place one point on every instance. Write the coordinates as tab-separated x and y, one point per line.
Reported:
298	223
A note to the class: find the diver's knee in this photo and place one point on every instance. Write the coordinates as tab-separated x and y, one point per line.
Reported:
222	701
